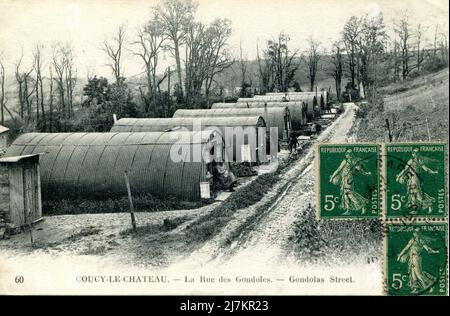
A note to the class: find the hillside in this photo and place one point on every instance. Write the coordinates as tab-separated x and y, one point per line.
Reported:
417	110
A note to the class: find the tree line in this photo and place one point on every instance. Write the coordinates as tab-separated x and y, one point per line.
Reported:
371	54
200	52
364	55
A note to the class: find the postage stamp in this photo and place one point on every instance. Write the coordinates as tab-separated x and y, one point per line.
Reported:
416	259
415	180
348	183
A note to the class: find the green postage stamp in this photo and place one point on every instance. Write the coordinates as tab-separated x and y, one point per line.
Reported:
415	180
348	183
416	259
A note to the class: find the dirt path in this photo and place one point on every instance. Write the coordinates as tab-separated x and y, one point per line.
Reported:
268	235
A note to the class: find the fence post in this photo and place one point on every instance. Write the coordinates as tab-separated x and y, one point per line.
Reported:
389	130
130	198
428	129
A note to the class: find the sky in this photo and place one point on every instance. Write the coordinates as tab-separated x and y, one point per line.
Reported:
87	23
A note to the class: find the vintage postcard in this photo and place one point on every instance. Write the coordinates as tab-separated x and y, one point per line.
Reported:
186	147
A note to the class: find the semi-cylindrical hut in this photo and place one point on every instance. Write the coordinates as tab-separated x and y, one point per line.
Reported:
242	128
310	100
321	94
278	117
297	110
92	165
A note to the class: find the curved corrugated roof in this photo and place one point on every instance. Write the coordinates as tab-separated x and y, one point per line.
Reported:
293	95
93	164
324	92
164	124
297	110
309	99
321	95
274	116
216	123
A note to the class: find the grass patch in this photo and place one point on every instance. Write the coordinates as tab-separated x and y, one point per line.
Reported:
210	224
85	231
334	241
146	203
409	106
94	250
243	169
150	229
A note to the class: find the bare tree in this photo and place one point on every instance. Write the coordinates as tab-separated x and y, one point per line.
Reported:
218	57
396	60
371	46
39	89
63	64
175	17
313	58
350	35
194	62
405	34
114	50
70	78
51	98
243	69
337	66
2	92
265	72
435	45
242	65
444	48
24	94
149	43
58	63
206	56
282	60
3	98
420	52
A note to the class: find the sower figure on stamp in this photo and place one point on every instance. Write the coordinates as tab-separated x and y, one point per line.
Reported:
419	279
343	176
417	199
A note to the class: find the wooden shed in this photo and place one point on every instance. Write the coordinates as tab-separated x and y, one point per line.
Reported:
92	165
235	144
278	117
20	190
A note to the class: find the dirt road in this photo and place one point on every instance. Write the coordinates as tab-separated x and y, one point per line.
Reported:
268	236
